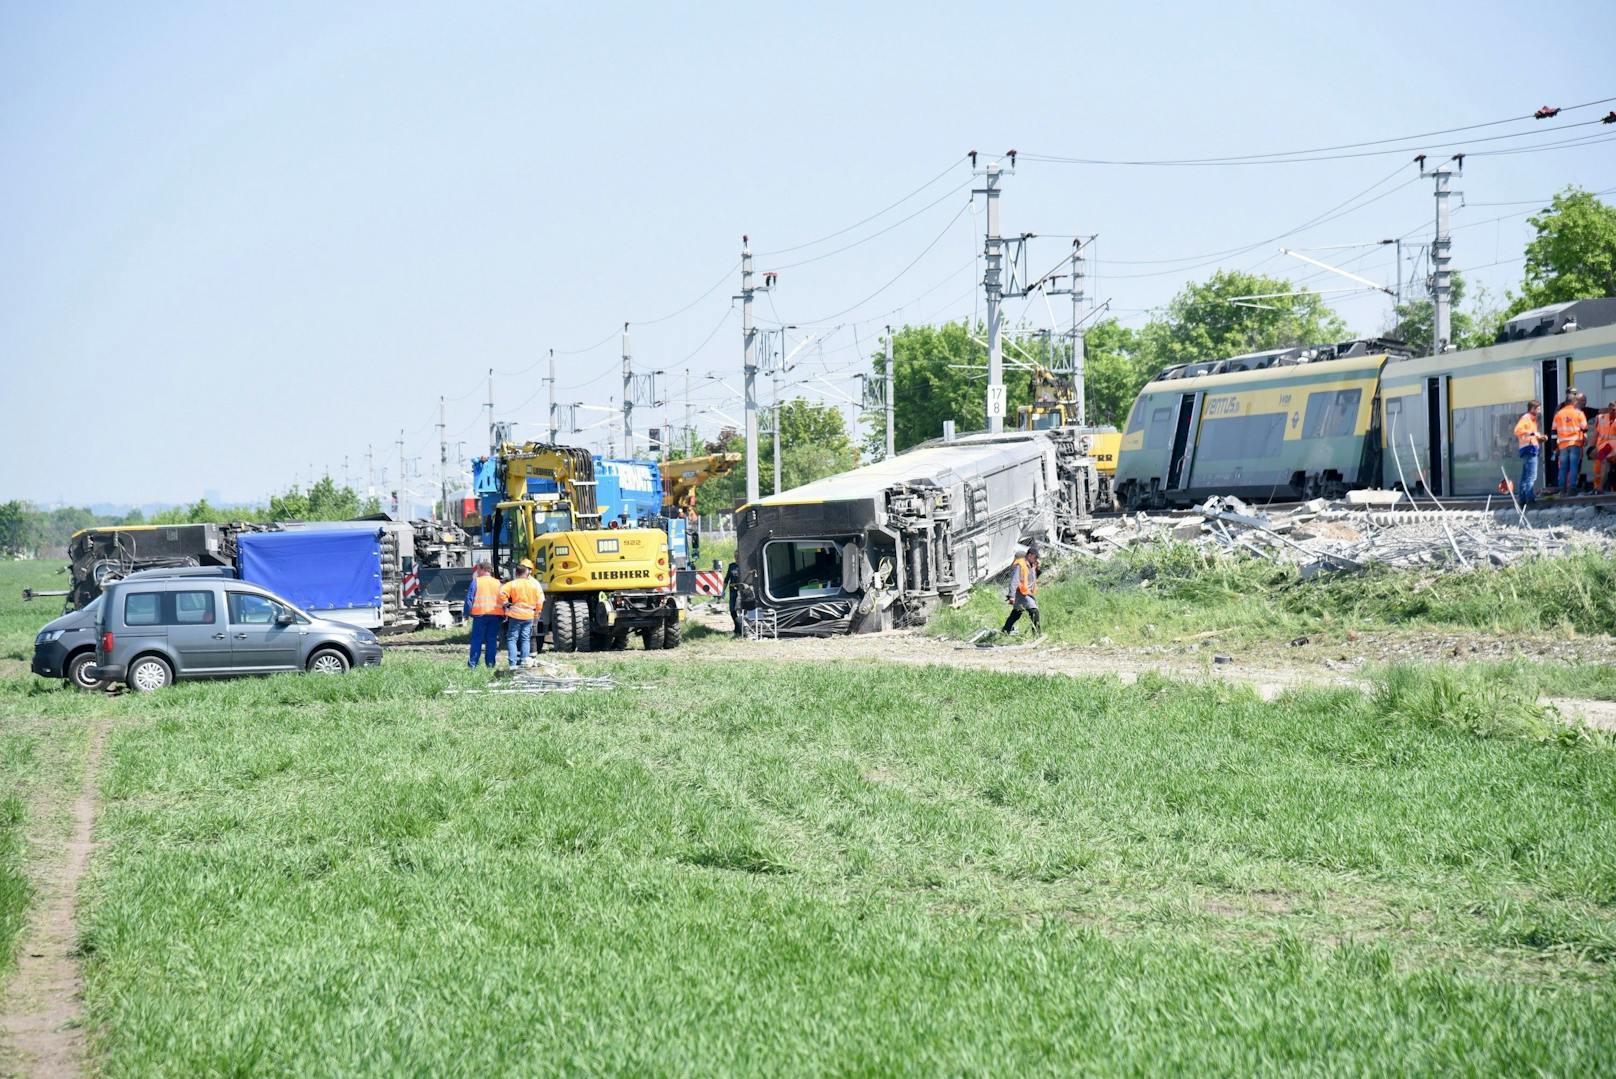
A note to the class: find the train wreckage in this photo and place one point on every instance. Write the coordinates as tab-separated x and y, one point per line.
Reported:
888	544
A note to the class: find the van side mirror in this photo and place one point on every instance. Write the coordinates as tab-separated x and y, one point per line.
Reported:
286	618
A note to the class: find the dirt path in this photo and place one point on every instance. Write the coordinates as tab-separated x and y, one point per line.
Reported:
42	1021
1316	663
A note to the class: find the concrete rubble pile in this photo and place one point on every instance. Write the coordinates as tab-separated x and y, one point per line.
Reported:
1369	528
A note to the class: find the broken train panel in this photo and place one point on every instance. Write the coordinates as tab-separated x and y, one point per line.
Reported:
887	544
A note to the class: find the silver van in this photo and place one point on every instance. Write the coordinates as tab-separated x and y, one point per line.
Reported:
153	631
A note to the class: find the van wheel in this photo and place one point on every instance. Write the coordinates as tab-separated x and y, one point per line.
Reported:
328	661
561	628
148	674
78	672
672	634
653	636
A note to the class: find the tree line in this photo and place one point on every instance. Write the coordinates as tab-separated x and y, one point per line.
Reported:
28	530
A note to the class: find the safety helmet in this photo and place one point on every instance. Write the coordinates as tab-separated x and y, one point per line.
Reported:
526	563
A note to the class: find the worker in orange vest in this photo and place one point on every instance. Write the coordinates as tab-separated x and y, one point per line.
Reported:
522	598
1570	432
1529	444
1023	591
486	612
1605	448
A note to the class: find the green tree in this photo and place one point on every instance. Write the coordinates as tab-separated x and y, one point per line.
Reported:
17	528
1113	372
1415	321
814	443
1573	255
940	373
1214	319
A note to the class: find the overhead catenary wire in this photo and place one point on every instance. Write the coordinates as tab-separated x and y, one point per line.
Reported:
1327	153
952	165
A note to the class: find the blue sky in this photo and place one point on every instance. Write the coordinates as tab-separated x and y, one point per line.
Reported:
241	242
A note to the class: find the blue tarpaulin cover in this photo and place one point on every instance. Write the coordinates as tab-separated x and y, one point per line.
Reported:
317	570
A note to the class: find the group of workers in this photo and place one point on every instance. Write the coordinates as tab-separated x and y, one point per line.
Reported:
510	606
1578	432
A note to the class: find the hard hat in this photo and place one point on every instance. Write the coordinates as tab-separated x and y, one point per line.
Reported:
526	563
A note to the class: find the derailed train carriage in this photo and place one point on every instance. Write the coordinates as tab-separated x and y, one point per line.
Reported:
1319	421
887	544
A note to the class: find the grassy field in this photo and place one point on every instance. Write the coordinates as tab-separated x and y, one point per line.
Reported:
1147	596
804	868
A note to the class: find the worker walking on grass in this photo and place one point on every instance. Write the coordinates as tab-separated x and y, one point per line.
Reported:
1570	432
1529	439
486	611
523	599
1023	591
1604	467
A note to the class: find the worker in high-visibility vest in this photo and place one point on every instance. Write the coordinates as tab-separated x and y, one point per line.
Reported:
523	598
1605	448
1570	432
1529	444
486	612
1022	593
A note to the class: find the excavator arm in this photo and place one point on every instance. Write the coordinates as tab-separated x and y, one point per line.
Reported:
681	478
572	469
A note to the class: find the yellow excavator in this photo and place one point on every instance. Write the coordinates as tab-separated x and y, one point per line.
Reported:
600	584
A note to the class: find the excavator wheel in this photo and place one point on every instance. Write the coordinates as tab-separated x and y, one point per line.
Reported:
583	631
653	637
562	632
672	634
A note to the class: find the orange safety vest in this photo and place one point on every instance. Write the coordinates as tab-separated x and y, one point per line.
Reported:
1026	580
1526	431
522	599
1570	426
486	600
1605	430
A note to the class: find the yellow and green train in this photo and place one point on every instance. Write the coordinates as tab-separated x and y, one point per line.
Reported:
1308	422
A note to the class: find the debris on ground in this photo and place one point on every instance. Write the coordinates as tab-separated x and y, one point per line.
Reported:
1333	537
543	676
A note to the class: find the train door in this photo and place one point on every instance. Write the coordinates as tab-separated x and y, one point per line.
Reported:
1437	456
1552	375
1178	468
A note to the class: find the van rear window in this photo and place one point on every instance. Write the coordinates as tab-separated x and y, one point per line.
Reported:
143	609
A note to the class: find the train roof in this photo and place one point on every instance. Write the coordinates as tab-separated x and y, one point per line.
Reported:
1558	318
1560	344
1314	369
937	463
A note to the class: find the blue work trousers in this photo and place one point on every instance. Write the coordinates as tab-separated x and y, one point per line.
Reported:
1570	468
519	639
1527	488
484	639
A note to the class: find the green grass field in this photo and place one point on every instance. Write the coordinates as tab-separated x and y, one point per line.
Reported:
739	866
1176	592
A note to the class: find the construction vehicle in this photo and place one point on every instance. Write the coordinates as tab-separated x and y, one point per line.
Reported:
681	478
600	583
1055	406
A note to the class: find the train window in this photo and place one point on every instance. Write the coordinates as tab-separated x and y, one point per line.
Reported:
1485	434
1242	437
793	569
1332	415
1161	426
1136	418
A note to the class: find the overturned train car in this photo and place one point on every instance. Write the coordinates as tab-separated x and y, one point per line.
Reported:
887	544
